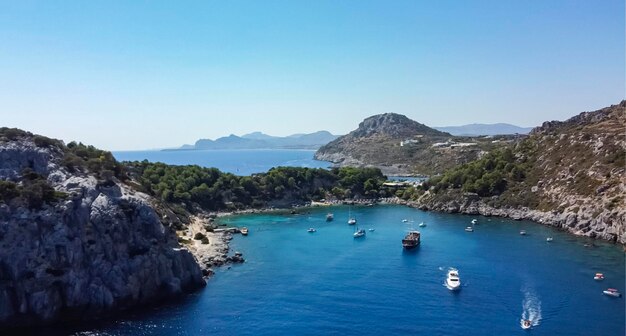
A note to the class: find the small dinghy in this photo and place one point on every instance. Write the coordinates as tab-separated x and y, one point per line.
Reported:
598	277
526	324
612	292
549	239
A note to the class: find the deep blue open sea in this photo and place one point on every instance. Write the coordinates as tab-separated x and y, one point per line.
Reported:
328	283
239	162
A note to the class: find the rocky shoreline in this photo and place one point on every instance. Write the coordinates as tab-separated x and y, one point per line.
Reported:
599	227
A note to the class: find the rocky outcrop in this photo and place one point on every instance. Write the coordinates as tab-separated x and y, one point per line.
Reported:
588	221
99	248
398	145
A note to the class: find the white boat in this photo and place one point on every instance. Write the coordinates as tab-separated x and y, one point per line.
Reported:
453	281
405	220
329	217
526	324
469	229
370	230
311	230
351	220
549	239
359	233
598	277
612	292
522	232
474	221
422	224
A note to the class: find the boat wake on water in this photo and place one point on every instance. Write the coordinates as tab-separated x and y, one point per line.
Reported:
531	309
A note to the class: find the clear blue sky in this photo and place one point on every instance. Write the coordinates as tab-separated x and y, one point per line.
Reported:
151	74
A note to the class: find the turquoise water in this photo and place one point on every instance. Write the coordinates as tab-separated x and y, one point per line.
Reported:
327	282
239	162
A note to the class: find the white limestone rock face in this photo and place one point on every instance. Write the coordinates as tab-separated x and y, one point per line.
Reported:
101	249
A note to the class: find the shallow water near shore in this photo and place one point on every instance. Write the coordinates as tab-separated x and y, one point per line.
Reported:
327	282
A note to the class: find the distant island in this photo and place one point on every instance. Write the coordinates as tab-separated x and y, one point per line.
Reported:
258	140
484	129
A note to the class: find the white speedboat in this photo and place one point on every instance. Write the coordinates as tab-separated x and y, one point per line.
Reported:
549	239
526	324
469	229
612	292
405	220
598	277
474	221
371	230
453	281
422	224
311	230
352	221
359	233
522	232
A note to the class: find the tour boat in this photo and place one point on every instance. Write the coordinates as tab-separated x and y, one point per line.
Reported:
526	324
422	224
522	232
311	230
549	239
612	292
598	276
329	217
244	231
453	282
411	240
469	229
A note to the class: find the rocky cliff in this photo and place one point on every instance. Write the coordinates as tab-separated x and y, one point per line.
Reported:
87	246
572	176
398	145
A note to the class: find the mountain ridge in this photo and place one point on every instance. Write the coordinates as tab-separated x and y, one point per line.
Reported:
259	140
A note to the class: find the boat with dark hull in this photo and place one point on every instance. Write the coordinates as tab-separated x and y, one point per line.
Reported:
411	240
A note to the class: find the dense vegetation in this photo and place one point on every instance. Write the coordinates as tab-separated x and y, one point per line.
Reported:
101	163
213	189
487	176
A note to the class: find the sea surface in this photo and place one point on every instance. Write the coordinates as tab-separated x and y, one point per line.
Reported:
239	162
329	283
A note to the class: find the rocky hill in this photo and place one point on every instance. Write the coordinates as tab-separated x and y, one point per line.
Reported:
399	145
568	174
75	240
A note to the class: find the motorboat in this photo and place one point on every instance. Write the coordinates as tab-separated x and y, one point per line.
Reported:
359	233
612	292
352	221
371	230
405	220
522	232
411	240
469	229
549	239
598	277
244	231
453	281
329	217
422	224
474	221
311	230
526	324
